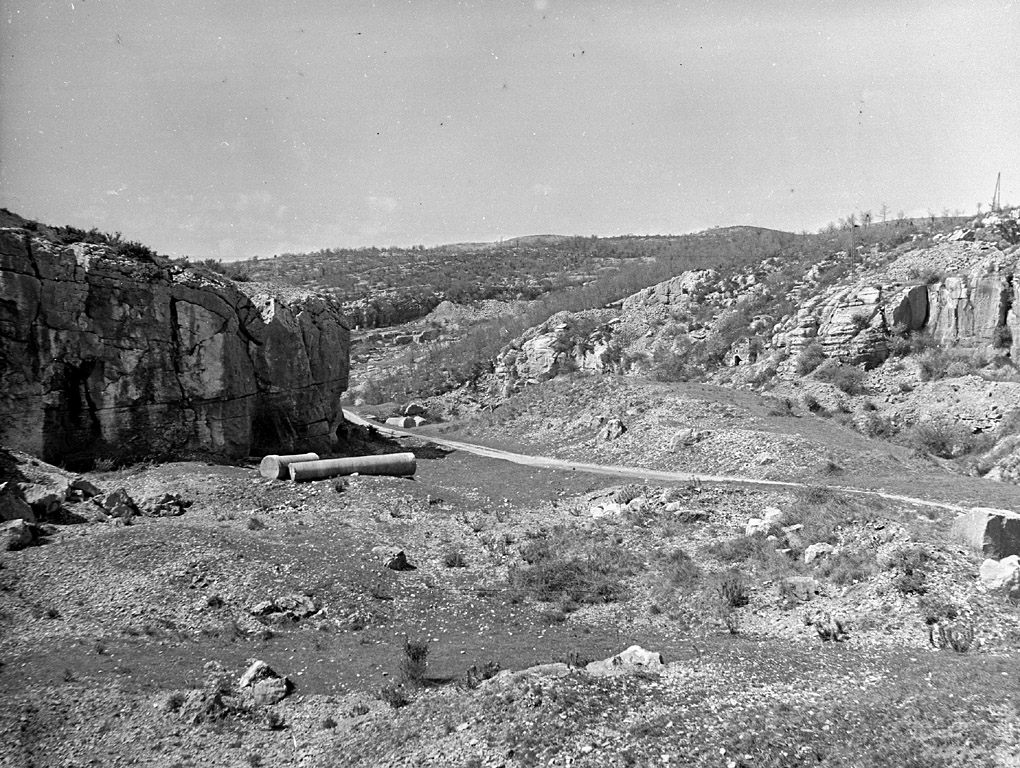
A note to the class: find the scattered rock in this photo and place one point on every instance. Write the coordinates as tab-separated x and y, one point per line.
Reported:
608	509
997	573
687	437
399	563
270	690
45	500
631	660
262	608
164	505
257	670
13	506
814	551
829	628
86	488
15	534
611	430
300	606
117	504
413	409
800	588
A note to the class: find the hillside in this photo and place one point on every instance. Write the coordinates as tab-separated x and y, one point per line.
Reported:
847	595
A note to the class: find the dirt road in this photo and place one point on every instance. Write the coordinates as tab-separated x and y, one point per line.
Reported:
635	473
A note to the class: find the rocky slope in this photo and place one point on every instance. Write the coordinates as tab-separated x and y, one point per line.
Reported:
927	333
103	355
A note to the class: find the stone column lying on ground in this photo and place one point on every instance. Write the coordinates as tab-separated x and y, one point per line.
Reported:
275	467
385	464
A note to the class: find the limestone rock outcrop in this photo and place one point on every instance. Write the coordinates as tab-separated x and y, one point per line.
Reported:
564	342
102	355
967	299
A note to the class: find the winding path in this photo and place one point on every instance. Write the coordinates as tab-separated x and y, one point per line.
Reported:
638	473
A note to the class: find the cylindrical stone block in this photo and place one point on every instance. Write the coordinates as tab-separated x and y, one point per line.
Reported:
275	467
385	464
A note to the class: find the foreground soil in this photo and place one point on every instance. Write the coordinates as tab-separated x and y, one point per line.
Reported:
123	645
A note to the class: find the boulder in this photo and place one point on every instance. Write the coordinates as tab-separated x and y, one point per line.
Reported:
270	691
107	355
687	437
117	504
300	606
633	659
257	670
814	551
611	430
413	409
45	499
997	573
164	505
993	532
399	563
86	488
15	534
800	588
12	506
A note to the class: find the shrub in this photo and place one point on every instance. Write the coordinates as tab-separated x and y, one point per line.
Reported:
939	437
958	637
573	570
454	559
1002	337
933	364
414	661
848	566
394	695
628	493
860	322
937	608
810	358
959	368
781	407
476	675
255	523
679	569
848	378
733	589
738	549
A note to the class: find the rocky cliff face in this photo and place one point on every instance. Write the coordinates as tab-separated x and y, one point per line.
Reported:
102	355
964	294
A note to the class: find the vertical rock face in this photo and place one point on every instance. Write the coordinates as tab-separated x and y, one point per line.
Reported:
971	305
102	355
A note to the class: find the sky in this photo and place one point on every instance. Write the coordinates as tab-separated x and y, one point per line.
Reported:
227	129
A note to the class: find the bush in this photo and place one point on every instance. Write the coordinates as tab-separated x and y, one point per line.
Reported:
810	358
848	378
628	493
733	589
394	695
738	549
454	559
939	437
679	569
572	569
957	637
933	364
414	661
1002	337
848	566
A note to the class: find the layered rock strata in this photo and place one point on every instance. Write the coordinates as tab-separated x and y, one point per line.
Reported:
107	356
